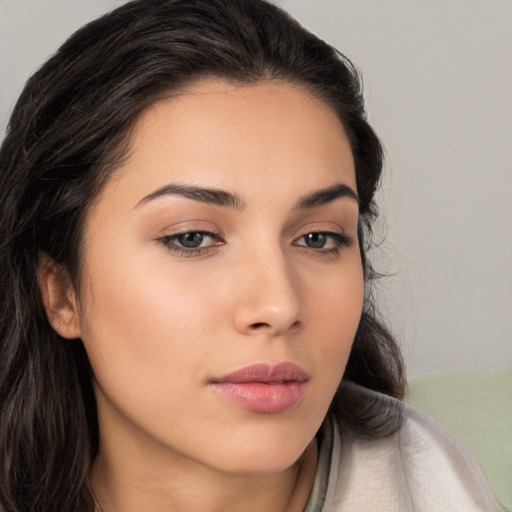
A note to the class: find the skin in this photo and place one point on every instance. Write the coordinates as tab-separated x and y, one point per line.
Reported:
159	323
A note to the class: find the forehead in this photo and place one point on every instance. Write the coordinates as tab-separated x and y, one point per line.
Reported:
226	135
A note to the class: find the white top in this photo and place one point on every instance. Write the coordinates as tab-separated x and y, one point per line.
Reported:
422	467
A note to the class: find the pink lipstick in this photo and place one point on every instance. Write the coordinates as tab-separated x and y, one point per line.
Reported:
263	387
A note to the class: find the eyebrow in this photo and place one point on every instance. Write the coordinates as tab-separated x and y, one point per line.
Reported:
226	199
206	195
325	196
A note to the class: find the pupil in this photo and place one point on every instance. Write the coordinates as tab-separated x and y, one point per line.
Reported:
316	240
190	239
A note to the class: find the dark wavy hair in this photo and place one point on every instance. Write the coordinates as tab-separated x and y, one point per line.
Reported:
69	130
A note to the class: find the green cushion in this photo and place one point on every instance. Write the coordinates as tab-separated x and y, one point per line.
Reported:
477	407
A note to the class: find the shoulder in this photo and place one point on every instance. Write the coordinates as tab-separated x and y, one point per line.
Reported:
422	466
439	467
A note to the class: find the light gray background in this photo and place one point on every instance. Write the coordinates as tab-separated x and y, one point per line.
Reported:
438	82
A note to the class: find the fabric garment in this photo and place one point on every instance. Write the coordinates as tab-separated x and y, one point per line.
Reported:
422	467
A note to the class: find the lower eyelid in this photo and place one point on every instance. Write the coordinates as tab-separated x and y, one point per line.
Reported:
186	252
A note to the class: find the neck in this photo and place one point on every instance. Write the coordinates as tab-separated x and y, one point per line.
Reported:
131	486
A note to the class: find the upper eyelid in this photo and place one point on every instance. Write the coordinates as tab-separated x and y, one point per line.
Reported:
190	227
322	230
326	231
186	231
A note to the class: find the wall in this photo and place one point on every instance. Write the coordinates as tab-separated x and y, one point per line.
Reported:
438	77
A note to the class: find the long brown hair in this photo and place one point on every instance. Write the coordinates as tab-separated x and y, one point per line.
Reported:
69	130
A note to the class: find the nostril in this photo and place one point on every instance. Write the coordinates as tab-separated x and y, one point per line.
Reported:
264	326
260	325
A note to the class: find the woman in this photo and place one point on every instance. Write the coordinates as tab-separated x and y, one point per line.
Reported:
186	206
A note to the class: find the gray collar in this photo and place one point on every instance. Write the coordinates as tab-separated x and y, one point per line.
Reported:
325	439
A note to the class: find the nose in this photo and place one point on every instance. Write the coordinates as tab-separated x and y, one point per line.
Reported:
268	295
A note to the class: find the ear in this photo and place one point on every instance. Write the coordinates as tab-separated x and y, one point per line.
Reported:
59	298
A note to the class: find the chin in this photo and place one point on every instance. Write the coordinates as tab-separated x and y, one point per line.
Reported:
261	454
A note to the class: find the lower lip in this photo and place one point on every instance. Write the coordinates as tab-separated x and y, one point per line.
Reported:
260	397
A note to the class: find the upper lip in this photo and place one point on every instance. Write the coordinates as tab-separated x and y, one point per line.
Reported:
266	373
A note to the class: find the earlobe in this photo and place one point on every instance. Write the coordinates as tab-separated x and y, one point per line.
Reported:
59	298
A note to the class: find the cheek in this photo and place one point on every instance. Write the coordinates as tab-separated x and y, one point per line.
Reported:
335	295
335	310
147	349
146	326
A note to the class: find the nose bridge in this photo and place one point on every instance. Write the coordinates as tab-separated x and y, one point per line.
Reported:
269	293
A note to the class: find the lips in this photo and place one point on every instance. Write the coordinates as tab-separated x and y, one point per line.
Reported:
263	388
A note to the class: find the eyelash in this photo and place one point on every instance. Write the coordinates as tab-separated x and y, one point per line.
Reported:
340	239
169	243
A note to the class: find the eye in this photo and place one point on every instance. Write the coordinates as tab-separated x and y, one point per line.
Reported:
190	240
191	243
325	241
316	240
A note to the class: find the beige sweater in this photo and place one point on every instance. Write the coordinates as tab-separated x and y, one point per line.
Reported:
422	467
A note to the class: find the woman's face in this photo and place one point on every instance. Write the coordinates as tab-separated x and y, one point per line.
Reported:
222	283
